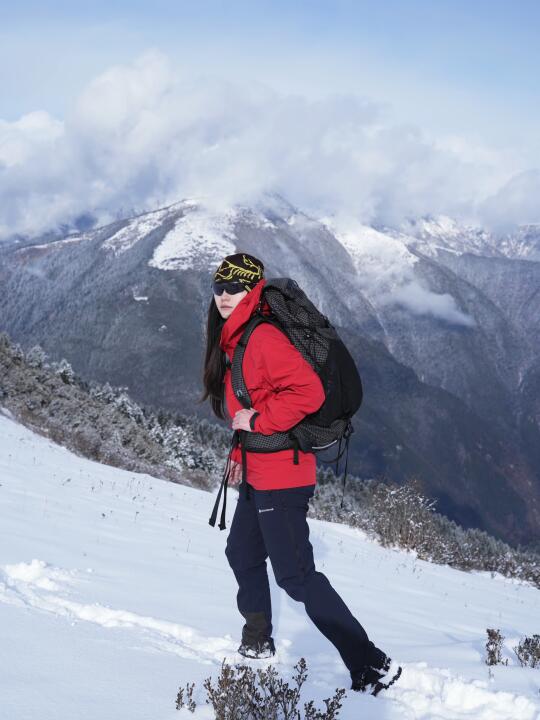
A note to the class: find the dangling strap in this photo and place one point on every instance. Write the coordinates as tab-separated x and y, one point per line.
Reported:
340	453
244	460
223	487
244	463
338	456
346	461
222	525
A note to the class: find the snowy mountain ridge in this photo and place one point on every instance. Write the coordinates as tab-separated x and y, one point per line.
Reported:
203	224
199	227
431	234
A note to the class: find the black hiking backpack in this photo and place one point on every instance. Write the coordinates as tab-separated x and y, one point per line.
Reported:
316	338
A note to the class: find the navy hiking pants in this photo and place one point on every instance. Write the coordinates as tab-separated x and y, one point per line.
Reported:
273	523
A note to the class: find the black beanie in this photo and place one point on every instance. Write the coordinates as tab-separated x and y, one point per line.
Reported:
240	267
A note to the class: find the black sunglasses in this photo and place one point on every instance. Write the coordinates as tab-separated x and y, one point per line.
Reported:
231	287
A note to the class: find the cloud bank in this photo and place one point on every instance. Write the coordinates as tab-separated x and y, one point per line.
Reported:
144	135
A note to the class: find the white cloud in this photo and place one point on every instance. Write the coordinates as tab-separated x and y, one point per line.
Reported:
146	134
23	139
423	301
515	202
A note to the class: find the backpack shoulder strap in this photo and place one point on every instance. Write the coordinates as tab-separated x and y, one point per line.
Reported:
237	376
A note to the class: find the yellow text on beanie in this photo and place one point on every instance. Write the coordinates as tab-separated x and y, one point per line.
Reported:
240	267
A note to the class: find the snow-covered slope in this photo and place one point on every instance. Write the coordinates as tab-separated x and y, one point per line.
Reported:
440	232
198	239
115	591
444	233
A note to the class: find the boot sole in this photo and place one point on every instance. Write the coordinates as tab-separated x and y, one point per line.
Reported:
254	655
257	657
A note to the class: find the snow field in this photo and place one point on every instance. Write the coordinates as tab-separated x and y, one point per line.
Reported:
115	592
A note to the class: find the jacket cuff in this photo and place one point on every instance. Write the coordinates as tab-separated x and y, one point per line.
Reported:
252	420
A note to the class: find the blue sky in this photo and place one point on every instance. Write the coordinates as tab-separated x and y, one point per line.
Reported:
464	73
459	66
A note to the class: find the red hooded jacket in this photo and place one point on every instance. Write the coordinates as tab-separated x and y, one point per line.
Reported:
283	388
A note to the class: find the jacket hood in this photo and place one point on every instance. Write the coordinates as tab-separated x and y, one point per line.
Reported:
234	325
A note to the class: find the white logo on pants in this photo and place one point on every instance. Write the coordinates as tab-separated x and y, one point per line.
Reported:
266	510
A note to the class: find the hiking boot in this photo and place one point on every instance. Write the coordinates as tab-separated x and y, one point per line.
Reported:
264	648
373	681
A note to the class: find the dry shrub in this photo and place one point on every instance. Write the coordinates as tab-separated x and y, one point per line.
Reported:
239	693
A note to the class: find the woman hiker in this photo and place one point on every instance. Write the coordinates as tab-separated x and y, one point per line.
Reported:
270	515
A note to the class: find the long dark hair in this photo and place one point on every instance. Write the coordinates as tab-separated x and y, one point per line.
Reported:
214	363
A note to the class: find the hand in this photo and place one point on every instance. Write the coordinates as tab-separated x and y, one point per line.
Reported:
235	474
241	419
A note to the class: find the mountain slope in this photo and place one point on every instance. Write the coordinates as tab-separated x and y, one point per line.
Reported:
444	358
